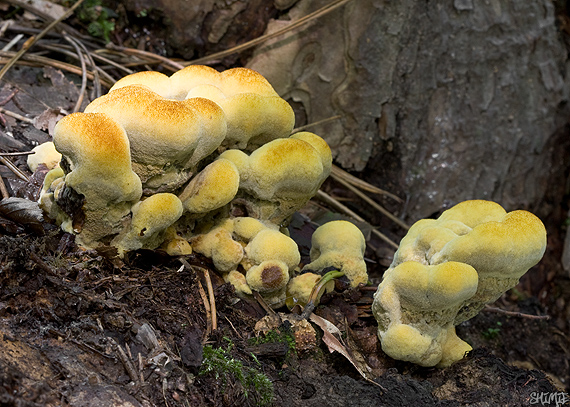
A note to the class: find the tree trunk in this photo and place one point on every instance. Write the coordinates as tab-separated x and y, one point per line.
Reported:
438	101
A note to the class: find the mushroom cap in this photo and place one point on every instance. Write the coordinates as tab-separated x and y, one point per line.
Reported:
300	287
151	217
445	271
339	244
285	168
219	246
268	277
271	244
436	287
157	212
281	176
97	149
237	279
213	187
164	133
45	153
479	233
255	113
246	228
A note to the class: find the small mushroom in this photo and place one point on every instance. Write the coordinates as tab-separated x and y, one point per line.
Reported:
269	244
46	154
213	187
219	246
300	287
150	220
281	176
339	244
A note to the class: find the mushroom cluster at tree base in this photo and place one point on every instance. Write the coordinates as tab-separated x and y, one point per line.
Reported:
445	271
201	161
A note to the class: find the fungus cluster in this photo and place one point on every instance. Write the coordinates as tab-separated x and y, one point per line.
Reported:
200	161
445	271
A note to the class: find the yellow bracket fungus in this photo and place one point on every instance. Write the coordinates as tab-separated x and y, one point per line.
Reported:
445	271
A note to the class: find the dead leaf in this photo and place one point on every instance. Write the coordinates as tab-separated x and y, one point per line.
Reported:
332	337
24	212
47	119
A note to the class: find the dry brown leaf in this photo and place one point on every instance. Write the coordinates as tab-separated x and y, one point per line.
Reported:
332	338
24	212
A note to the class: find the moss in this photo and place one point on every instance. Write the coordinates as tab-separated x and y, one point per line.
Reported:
277	336
257	387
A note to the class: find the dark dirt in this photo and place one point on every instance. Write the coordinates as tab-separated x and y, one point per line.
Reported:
83	328
75	331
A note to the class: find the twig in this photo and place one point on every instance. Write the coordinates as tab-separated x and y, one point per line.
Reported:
212	299
164	387
174	66
333	202
16	116
233	327
372	203
127	363
42	264
33	39
488	308
250	44
263	304
208	310
17	153
141	367
14	169
209	304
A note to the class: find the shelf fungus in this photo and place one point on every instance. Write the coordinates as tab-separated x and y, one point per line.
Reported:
445	271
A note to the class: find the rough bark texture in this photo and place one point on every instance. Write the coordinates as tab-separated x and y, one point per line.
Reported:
445	101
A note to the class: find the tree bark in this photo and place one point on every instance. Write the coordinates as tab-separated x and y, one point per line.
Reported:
439	101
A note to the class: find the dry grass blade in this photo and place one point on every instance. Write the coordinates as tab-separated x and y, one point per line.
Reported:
212	299
488	308
250	44
32	40
339	173
168	63
336	204
83	72
96	70
372	203
17	153
36	60
14	41
65	50
317	123
14	169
